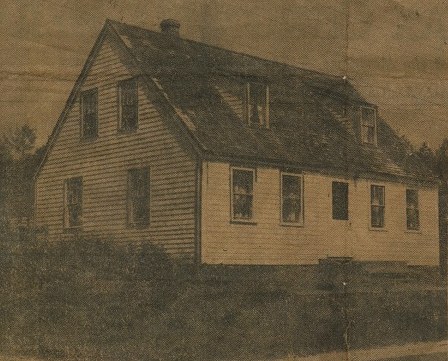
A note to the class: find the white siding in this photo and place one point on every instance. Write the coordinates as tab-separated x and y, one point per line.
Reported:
268	242
104	163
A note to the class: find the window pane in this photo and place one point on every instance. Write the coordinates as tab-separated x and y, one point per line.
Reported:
411	198
73	202
242	188
242	181
138	197
368	120
129	105
370	135
89	113
377	201
412	212
291	199
412	219
256	103
368	117
377	195
242	206
340	200
377	216
140	210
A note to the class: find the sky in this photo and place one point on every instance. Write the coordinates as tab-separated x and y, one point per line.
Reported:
395	52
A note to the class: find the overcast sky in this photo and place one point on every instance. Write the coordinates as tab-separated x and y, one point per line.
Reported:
397	49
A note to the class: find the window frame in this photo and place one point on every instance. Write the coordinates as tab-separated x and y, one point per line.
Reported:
66	214
371	205
130	222
120	85
301	221
375	126
264	121
333	201
417	229
83	94
233	219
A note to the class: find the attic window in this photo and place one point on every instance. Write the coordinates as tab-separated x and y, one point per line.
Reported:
368	125
256	104
128	99
89	113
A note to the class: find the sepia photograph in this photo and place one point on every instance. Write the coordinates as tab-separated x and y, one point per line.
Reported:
227	180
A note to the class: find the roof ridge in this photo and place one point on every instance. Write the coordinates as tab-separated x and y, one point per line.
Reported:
295	67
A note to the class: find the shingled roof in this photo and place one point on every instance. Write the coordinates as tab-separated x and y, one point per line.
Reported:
307	125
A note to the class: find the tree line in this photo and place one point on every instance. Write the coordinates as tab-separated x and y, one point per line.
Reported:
19	160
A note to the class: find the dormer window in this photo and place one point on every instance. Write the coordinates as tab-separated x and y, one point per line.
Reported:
256	104
368	125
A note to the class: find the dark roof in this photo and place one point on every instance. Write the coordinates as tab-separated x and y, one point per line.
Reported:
306	130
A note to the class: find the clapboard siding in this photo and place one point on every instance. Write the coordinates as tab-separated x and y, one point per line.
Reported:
268	242
104	163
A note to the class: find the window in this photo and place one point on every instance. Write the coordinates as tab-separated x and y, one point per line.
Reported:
73	203
377	203
138	197
242	194
257	104
89	111
412	213
291	199
368	125
340	200
128	99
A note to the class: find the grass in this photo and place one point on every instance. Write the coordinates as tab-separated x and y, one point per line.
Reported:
92	300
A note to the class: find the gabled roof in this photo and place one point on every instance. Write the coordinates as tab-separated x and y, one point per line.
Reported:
306	132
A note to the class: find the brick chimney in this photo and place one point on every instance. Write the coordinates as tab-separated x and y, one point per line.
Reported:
170	27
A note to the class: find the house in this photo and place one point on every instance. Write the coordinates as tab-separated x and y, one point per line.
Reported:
225	158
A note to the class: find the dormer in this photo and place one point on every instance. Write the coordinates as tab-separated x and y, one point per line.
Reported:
256	104
368	124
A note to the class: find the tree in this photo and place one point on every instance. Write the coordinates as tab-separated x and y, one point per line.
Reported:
18	164
21	141
427	155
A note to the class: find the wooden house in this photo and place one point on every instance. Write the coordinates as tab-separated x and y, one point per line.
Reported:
225	158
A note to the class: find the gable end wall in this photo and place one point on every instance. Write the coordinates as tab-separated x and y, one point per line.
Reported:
104	164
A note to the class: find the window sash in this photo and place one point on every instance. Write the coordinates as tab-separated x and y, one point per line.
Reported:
412	210
377	206
138	197
89	106
291	199
340	200
368	123
256	104
128	93
242	194
73	202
